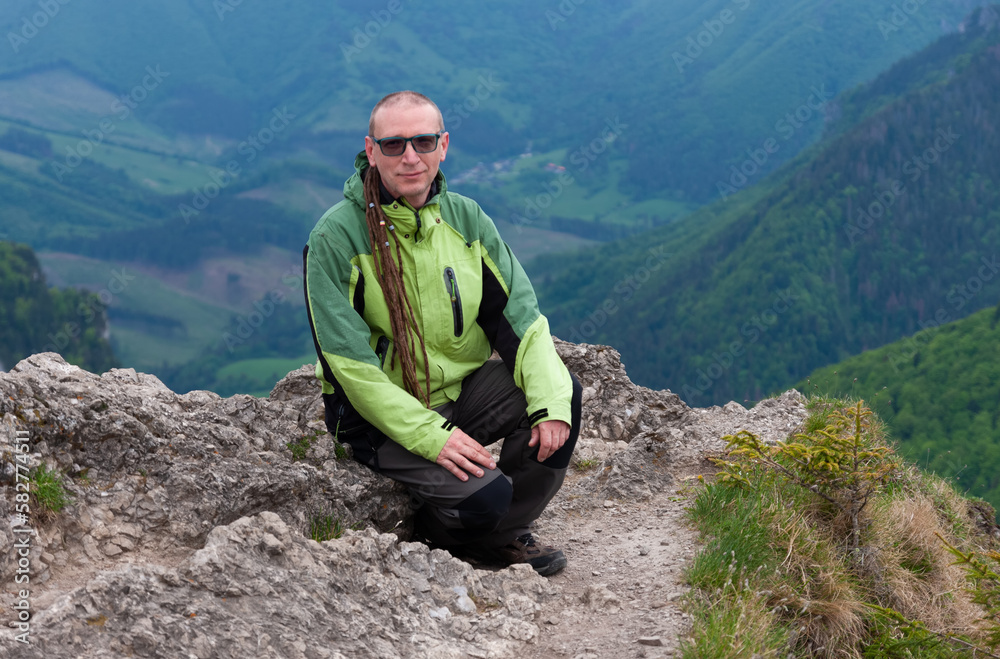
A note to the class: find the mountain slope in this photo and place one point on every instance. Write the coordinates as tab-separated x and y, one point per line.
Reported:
939	392
35	318
847	249
695	82
207	81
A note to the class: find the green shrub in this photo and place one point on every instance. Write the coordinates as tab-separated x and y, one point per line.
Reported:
843	459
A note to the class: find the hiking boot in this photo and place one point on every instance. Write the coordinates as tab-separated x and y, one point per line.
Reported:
544	559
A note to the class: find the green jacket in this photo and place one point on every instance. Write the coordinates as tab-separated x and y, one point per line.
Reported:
473	295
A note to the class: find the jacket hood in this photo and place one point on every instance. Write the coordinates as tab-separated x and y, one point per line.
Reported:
354	189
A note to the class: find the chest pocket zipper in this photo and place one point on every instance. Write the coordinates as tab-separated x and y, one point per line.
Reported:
451	285
382	350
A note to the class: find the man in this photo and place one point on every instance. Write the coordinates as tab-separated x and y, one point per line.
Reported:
409	290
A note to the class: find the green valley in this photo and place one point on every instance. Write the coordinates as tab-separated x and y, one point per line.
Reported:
849	247
195	146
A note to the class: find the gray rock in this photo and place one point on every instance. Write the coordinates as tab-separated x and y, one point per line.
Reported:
150	475
598	596
614	407
258	588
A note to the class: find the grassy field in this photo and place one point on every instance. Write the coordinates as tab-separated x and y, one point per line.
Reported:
264	370
532	185
167	171
307	196
157	323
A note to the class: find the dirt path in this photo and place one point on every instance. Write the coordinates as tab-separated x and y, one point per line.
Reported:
620	593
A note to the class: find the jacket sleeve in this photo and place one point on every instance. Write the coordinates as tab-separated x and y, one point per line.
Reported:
347	362
510	318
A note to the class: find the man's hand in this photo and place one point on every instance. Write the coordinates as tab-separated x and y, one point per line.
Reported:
461	453
552	435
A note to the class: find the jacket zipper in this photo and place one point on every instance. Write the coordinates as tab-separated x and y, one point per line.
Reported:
451	284
381	350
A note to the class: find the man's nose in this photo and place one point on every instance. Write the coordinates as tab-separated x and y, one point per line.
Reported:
410	154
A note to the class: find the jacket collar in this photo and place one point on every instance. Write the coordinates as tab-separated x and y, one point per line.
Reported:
354	186
386	198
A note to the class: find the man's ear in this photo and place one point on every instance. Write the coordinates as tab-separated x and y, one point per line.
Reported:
444	145
370	150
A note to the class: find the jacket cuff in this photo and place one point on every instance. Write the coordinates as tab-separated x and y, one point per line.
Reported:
555	411
430	447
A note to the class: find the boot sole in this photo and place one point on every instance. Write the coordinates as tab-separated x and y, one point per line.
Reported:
552	565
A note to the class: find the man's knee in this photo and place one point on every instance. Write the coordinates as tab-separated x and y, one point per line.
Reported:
486	507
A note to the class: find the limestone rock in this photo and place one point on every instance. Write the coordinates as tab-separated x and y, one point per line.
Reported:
165	469
615	410
259	588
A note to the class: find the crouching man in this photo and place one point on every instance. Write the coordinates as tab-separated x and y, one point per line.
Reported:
409	290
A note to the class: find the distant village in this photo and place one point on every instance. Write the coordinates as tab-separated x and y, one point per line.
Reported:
490	172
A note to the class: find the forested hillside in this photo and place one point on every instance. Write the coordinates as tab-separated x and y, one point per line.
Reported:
852	247
248	359
35	318
696	83
939	392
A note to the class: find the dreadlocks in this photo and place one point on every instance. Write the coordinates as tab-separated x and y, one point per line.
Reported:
390	276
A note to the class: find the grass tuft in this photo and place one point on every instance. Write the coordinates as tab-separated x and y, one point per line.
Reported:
735	624
327	527
300	447
48	490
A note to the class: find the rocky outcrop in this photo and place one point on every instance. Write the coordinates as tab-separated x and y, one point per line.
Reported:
614	408
259	588
642	438
188	526
152	471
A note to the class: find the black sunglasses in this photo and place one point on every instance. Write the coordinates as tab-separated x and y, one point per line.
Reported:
395	146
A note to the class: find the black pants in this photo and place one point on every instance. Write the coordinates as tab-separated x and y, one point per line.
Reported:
488	511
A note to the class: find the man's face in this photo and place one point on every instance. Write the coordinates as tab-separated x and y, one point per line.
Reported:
411	174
